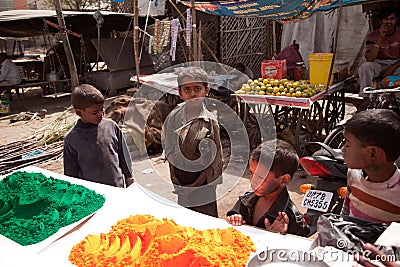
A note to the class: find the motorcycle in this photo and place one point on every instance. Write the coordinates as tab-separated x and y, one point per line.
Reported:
327	194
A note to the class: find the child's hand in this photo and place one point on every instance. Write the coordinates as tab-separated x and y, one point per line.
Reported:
235	219
280	224
382	258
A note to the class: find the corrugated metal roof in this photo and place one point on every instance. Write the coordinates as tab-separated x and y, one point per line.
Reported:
22	23
11	15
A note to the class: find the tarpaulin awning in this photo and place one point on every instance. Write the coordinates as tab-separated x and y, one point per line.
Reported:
281	10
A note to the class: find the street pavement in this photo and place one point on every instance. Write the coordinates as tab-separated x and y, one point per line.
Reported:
146	171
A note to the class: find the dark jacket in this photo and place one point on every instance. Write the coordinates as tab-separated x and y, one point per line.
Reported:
96	153
245	207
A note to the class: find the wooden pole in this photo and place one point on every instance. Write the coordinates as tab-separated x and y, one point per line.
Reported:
273	38
67	46
199	56
335	42
136	37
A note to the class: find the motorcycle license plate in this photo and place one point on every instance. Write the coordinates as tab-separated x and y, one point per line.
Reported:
317	200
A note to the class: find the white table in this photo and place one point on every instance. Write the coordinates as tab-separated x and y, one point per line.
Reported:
121	203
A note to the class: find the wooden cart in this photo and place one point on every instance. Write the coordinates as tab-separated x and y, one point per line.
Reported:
308	119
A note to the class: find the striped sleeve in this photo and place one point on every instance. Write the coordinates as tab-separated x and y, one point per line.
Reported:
375	201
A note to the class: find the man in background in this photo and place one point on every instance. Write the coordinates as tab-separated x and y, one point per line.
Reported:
9	74
244	69
382	52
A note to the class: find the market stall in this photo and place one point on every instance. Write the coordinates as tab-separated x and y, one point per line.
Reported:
98	60
309	118
119	204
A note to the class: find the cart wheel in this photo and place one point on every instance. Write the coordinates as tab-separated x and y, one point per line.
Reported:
334	111
260	123
309	127
335	138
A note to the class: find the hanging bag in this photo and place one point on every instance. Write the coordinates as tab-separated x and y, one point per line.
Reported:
292	55
349	234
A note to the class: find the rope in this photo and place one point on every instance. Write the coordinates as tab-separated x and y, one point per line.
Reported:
145	28
123	43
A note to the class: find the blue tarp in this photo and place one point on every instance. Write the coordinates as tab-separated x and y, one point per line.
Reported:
281	10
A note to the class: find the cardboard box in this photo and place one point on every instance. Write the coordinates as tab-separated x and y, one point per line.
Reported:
273	69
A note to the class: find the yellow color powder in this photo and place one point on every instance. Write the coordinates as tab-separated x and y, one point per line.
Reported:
143	240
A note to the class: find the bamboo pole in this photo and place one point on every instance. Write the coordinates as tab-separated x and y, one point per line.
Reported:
194	32
67	46
199	56
136	37
335	42
274	37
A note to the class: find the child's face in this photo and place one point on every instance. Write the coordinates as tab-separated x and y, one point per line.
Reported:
191	90
355	155
262	180
92	114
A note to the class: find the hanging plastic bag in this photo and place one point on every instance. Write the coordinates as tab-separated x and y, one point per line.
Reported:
292	55
349	234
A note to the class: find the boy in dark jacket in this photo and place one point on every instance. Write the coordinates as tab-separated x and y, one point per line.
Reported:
94	149
268	204
195	165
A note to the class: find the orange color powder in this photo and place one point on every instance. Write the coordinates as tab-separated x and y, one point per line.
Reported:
143	240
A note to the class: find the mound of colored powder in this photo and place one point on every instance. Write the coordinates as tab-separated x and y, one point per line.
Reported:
33	207
143	240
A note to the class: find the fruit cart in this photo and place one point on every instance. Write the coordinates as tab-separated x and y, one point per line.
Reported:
305	118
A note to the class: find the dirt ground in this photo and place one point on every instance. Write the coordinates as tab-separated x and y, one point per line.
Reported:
33	101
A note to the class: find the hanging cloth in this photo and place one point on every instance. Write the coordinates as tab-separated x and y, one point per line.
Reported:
161	36
175	26
151	43
165	35
156	38
188	26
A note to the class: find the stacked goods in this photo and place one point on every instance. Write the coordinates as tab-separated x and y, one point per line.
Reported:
275	69
143	240
33	207
282	87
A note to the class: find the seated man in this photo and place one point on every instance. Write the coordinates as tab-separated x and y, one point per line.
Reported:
268	204
382	51
9	74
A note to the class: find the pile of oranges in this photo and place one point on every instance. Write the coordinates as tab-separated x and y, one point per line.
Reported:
282	87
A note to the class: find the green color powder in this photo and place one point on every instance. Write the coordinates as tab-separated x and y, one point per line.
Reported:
33	207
